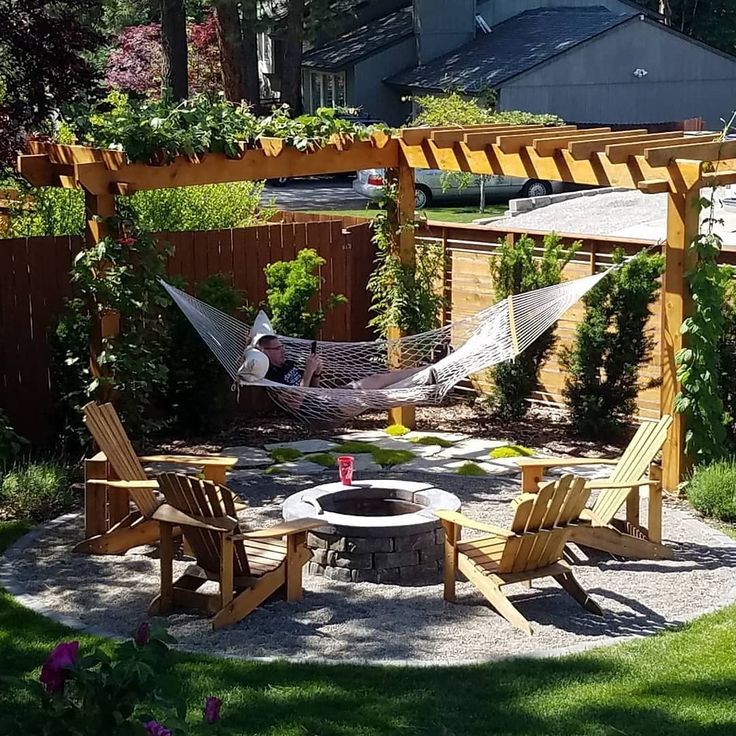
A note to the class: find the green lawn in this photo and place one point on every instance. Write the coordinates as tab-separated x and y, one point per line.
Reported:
444	214
678	684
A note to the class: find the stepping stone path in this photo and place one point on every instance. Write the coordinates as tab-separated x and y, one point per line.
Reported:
428	458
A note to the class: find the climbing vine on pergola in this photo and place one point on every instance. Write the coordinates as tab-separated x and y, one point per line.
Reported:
653	163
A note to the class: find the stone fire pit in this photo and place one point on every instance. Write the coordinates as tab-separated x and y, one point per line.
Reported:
378	531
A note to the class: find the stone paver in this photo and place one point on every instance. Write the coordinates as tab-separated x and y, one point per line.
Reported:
305	445
248	457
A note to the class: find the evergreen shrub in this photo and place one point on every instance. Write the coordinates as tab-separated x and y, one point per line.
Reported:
712	489
514	270
602	380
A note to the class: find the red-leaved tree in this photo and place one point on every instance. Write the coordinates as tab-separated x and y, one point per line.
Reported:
134	65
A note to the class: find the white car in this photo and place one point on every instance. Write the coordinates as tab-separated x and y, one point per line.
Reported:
434	184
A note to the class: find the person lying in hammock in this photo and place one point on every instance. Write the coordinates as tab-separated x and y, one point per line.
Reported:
285	371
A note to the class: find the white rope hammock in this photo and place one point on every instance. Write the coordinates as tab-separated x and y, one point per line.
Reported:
456	351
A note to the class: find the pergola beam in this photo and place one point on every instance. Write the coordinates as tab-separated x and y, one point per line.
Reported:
619	153
706	151
514	143
582	150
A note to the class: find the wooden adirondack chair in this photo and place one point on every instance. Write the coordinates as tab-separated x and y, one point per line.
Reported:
115	476
249	566
597	527
532	548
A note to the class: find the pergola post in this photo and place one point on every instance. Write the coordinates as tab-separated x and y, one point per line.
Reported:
98	207
404	245
682	228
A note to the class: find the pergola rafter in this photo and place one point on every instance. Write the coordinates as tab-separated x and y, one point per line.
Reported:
653	163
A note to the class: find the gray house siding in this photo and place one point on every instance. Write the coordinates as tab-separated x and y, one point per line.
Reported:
594	83
377	99
496	11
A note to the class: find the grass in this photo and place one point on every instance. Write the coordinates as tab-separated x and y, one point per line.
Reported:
471	469
285	454
679	683
444	214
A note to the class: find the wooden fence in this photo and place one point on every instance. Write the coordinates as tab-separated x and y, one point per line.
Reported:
34	282
469	288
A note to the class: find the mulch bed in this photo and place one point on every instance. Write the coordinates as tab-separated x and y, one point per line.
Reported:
544	428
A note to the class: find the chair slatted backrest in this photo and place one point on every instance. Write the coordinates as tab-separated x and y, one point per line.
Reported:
540	524
201	499
104	425
632	466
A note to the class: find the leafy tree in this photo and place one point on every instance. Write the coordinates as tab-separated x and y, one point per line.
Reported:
611	344
45	50
710	21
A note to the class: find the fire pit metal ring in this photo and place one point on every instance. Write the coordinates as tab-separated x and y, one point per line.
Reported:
380	531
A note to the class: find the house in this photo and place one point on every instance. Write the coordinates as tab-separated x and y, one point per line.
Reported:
588	61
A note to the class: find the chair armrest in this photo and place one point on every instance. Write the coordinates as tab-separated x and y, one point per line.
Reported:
561	462
227	460
171	515
131	485
461	520
285	529
603	484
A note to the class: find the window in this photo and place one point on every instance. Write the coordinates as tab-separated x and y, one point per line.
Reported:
324	90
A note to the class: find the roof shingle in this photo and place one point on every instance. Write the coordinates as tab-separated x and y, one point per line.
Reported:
512	47
361	42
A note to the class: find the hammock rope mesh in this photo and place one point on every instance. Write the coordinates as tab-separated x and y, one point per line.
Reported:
455	352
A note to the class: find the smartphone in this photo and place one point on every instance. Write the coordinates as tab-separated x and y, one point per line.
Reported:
314	347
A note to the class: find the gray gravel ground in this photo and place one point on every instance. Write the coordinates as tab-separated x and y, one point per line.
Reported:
385	623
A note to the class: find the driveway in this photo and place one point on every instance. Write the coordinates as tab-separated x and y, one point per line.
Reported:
315	194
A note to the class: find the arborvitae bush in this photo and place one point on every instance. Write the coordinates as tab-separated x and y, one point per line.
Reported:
516	270
602	367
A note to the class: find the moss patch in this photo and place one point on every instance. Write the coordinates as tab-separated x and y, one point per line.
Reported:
471	469
397	430
437	441
285	454
391	458
323	458
510	451
277	470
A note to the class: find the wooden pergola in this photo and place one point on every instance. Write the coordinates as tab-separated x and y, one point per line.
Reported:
653	163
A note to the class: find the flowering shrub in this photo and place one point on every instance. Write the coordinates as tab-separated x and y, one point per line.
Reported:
130	692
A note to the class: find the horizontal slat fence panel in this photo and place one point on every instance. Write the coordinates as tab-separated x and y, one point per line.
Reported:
35	281
469	288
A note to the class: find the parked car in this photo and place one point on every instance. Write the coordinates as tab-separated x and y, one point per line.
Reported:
434	184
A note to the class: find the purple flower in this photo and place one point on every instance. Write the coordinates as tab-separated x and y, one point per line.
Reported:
154	728
212	709
53	672
143	634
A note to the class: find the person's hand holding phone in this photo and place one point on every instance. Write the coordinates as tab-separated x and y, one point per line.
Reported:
312	370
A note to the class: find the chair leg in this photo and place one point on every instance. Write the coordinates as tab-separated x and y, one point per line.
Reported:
495	596
572	586
163	602
295	543
227	584
449	569
247	601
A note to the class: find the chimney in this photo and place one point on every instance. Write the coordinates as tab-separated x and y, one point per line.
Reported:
441	26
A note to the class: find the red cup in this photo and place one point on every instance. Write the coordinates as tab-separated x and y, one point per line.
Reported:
346	465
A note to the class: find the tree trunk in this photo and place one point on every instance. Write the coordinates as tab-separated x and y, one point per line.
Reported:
249	28
291	77
666	10
230	43
175	73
